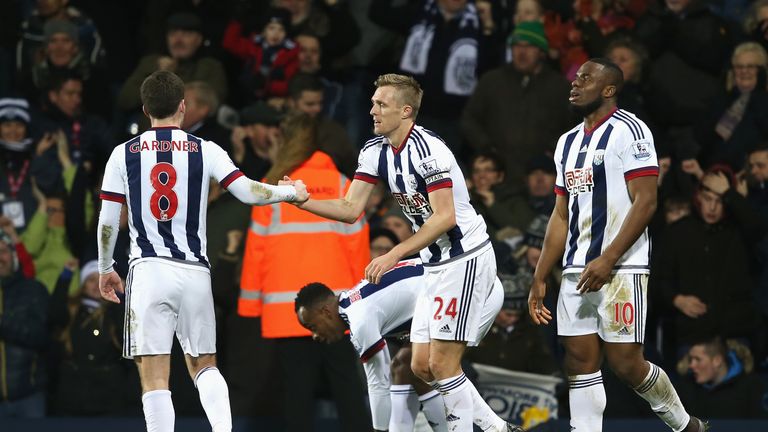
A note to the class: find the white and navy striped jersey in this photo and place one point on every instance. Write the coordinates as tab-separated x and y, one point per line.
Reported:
375	311
163	176
593	168
420	165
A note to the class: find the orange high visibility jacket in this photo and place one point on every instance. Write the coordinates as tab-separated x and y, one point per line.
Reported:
288	248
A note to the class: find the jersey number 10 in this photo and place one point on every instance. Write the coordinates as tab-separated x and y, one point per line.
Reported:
163	203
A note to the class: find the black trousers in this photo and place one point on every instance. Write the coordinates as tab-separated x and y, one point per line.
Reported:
306	367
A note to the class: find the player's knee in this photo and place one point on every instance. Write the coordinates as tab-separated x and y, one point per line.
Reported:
626	369
420	368
401	367
443	367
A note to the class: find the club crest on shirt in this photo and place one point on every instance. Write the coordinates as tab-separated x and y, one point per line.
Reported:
579	180
412	181
641	150
599	157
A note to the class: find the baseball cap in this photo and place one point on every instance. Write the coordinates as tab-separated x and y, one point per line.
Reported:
185	21
260	113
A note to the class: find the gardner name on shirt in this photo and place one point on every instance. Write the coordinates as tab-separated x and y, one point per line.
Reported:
164	146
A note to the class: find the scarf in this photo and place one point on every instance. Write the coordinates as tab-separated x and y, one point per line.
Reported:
732	117
16	146
459	76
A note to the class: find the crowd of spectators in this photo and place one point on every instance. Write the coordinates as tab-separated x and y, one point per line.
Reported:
496	78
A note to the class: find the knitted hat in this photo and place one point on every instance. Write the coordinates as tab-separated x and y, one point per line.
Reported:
277	15
88	269
516	288
55	26
534	234
531	32
14	109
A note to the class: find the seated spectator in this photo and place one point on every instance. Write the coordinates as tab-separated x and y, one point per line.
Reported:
330	20
63	56
23	336
16	152
632	58
540	177
704	266
739	116
444	50
200	117
513	333
721	383
46	240
382	241
184	40
756	23
506	214
306	95
519	110
85	137
310	55
395	221
270	58
31	45
253	138
92	376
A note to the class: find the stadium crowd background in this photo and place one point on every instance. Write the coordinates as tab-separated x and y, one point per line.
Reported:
496	79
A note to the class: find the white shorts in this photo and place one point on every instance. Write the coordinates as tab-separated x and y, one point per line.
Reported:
459	301
616	312
162	298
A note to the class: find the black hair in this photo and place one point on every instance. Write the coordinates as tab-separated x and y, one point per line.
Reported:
613	72
161	93
383	232
61	77
713	345
494	157
302	82
311	295
759	147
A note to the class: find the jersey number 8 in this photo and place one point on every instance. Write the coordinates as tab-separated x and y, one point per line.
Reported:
163	203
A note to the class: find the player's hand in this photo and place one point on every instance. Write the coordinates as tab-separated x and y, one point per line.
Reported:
286	181
109	284
595	275
302	195
539	313
378	266
690	305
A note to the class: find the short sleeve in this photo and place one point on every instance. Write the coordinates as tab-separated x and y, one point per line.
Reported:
637	152
367	164
365	336
113	185
221	166
435	166
560	179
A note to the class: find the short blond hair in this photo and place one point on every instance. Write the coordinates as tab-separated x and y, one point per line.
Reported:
409	91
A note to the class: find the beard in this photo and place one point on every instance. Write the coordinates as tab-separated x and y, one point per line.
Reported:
589	108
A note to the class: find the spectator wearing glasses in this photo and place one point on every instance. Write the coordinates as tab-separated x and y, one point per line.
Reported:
739	118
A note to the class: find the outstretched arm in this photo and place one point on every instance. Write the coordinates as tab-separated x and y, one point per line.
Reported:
346	209
256	193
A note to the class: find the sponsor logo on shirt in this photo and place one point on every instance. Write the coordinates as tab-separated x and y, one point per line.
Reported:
579	181
413	204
